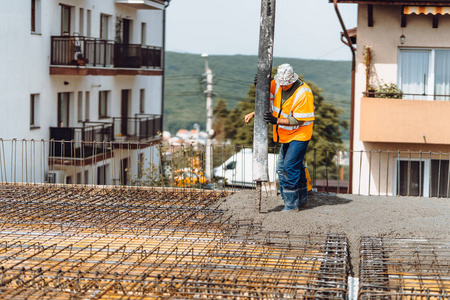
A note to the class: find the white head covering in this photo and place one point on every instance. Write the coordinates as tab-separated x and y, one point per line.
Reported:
285	75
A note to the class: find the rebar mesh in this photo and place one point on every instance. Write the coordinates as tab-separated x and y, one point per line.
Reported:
404	268
77	243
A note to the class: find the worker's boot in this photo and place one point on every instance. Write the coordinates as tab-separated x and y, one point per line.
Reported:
291	199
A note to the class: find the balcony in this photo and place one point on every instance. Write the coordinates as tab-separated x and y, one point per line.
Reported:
404	121
79	143
94	141
78	55
143	127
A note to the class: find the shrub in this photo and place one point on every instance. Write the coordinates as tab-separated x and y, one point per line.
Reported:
389	90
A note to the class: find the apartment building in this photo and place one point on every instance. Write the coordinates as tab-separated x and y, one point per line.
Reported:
401	139
88	72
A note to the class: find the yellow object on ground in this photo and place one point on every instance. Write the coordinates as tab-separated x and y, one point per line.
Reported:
308	180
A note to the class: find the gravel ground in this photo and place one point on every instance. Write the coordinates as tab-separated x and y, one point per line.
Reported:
353	215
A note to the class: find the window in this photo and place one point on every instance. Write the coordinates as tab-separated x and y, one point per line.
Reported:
86	177
63	109
65	13
439	178
88	23
79	178
140	165
143	33
425	74
87	106
80	107
102	175
142	101
231	166
442	75
124	171
423	177
35	16
81	27
34	110
103	104
411	178
104	26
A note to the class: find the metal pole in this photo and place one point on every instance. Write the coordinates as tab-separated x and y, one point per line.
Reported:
209	116
265	58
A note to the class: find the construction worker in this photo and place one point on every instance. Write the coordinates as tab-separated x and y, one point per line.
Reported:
291	90
293	115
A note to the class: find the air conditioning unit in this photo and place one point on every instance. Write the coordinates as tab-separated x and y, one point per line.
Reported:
56	176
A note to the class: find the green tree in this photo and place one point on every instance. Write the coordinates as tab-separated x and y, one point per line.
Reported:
220	113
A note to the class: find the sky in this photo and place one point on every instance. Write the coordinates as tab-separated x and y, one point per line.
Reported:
303	29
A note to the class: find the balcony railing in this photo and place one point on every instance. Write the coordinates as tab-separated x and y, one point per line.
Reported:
91	52
407	96
142	127
69	141
93	137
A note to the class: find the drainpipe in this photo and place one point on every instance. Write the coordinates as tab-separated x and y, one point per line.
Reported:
352	97
166	4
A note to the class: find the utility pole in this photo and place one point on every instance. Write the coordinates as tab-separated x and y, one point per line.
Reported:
209	117
265	59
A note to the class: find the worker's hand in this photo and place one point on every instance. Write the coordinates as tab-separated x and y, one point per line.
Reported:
256	79
249	116
269	118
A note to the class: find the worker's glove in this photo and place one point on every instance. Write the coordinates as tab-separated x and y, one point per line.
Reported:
269	118
256	79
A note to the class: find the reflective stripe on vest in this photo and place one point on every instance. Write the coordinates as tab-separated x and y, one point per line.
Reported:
277	110
295	127
303	116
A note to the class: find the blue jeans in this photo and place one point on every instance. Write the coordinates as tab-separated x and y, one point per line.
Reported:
279	168
293	180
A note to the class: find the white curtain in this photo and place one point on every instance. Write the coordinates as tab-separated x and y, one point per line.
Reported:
413	75
442	75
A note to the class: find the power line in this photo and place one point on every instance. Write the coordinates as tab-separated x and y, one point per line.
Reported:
330	52
234	81
183	76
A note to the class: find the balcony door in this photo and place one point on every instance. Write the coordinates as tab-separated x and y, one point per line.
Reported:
124	111
411	178
63	109
124	171
126	33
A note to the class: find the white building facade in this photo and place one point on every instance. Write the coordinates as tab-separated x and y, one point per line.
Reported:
80	70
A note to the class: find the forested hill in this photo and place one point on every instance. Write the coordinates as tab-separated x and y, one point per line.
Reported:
185	103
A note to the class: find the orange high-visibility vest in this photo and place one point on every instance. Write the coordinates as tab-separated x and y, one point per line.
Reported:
300	106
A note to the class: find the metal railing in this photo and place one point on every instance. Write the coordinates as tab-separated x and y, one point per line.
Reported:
152	163
407	96
77	142
136	56
142	127
84	51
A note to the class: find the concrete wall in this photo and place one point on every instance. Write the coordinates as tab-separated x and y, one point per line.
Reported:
404	121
